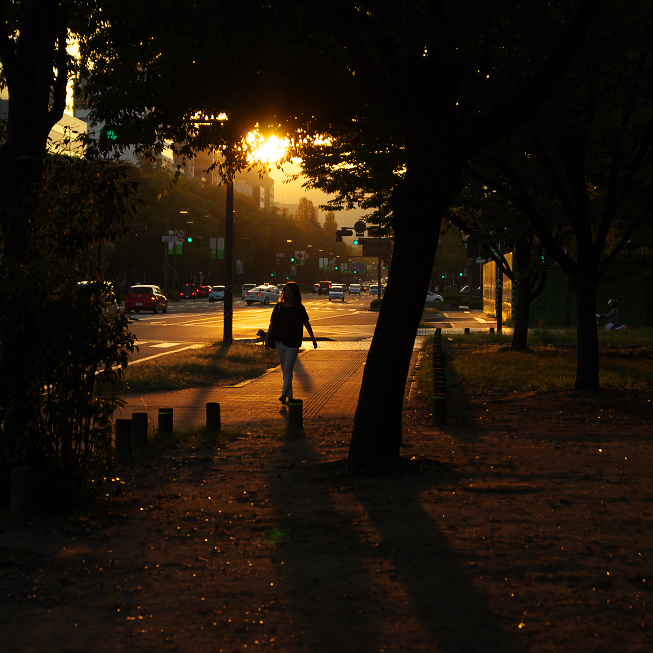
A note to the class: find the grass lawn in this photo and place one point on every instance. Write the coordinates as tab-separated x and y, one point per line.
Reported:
218	363
480	362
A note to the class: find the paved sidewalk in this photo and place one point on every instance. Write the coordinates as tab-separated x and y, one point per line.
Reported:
328	379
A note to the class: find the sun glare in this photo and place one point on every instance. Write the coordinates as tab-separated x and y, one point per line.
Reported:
267	151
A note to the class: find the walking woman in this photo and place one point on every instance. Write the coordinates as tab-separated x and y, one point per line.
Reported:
287	323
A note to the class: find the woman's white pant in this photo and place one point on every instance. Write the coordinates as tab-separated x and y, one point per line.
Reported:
287	358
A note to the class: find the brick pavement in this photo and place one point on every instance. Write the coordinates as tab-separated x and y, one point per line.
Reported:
328	379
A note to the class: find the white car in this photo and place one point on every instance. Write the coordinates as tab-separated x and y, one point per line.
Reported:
336	292
216	294
262	294
374	289
432	297
354	289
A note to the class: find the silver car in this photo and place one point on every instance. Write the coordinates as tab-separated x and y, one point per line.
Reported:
336	292
262	294
246	288
216	294
354	289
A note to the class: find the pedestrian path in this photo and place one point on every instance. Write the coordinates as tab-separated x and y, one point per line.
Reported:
328	379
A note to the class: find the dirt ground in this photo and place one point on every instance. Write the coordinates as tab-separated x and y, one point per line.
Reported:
526	527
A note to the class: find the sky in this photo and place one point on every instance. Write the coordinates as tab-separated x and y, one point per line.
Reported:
290	192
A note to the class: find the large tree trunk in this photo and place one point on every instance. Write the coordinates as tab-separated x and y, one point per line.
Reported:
526	293
376	437
648	305
520	333
587	360
36	101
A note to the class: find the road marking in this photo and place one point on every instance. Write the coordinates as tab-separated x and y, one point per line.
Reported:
165	345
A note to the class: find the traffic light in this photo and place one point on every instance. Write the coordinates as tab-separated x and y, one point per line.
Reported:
198	241
189	239
357	241
292	259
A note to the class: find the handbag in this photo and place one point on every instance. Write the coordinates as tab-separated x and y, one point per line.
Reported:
274	330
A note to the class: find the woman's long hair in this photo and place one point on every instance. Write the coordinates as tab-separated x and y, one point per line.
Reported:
296	292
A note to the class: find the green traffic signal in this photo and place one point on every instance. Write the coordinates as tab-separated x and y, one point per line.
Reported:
357	242
189	239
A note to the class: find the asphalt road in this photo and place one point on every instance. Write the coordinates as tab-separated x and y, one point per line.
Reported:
193	322
196	322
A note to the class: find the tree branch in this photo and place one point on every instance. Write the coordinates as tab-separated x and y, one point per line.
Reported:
624	239
59	85
7	55
504	117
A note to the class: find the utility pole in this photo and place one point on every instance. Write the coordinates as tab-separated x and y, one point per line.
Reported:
227	335
165	257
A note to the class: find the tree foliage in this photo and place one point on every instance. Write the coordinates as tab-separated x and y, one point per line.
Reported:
74	339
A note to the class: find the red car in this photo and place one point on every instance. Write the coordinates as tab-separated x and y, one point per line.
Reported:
146	298
203	291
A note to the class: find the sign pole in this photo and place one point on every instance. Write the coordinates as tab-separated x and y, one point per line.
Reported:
227	335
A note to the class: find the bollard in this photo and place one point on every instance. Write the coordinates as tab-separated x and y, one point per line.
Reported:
123	440
213	425
165	422
139	430
295	415
491	331
466	331
22	490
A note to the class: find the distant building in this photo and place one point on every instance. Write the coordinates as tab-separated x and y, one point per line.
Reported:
261	189
62	135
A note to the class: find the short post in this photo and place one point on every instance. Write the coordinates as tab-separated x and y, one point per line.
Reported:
295	415
213	424
165	422
439	382
22	490
466	331
123	440
139	430
491	331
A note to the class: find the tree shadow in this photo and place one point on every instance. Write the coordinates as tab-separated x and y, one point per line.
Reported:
367	568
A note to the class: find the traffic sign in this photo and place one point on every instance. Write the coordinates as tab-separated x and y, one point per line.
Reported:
168	239
181	234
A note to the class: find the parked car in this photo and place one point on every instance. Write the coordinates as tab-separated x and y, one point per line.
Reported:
146	298
188	291
262	294
216	294
324	287
246	288
432	297
354	289
336	292
203	291
101	294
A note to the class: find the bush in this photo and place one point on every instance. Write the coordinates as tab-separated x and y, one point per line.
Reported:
55	414
376	303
